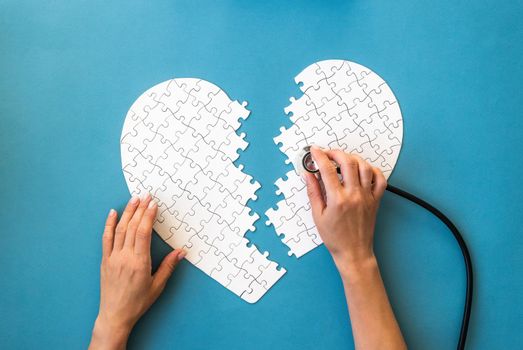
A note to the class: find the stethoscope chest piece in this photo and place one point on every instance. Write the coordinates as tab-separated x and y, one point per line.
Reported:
304	161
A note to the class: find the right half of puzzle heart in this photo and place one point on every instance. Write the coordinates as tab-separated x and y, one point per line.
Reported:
178	143
344	106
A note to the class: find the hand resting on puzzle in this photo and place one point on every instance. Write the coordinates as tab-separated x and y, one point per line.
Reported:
128	287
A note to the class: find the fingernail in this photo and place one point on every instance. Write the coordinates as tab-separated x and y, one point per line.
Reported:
181	255
151	205
145	196
134	200
112	212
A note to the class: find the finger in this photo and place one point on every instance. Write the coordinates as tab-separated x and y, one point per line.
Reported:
314	193
166	269
135	221
348	166
366	173
380	183
121	228
142	243
108	236
328	172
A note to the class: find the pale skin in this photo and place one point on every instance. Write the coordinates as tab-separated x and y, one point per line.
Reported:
345	217
128	288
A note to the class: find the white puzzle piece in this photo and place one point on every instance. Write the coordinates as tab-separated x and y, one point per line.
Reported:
178	143
344	106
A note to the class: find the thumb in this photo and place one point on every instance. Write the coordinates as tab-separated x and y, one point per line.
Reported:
166	269
315	194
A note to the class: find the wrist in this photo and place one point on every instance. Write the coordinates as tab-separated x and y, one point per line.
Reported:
351	270
107	335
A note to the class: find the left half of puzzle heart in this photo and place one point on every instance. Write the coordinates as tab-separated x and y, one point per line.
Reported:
178	143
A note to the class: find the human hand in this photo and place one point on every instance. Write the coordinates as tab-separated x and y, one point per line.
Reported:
128	287
346	215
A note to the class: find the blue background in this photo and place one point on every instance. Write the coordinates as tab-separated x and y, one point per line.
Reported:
70	71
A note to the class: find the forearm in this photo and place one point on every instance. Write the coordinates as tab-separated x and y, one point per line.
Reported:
106	337
373	323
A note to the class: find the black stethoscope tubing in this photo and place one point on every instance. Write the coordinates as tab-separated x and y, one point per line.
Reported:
309	165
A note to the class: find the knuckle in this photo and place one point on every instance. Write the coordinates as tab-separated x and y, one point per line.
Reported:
150	212
355	201
356	158
339	153
110	264
143	234
382	181
120	230
133	226
150	215
139	266
330	169
341	201
355	198
352	162
132	267
171	265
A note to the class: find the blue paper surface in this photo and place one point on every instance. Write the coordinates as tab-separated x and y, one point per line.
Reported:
70	71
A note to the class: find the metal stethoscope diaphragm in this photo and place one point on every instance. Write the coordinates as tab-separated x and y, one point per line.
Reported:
307	162
304	162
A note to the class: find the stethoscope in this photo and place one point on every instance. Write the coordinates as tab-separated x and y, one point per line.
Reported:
304	161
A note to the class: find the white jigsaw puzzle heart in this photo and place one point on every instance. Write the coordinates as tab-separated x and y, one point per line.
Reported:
345	106
178	143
